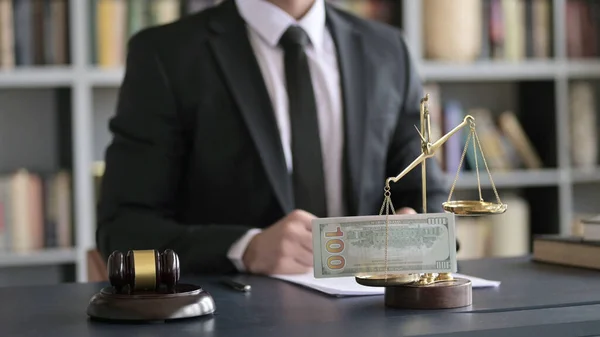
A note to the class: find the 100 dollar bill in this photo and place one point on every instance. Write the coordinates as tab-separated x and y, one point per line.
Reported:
416	243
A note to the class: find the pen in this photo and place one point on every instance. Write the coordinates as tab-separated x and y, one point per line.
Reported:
236	285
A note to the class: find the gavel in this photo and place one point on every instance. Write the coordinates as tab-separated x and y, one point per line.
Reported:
143	270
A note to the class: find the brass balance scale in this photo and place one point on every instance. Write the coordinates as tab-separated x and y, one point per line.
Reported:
428	290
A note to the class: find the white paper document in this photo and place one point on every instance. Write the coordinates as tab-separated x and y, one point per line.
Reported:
347	286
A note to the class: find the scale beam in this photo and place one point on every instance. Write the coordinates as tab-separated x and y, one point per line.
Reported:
430	152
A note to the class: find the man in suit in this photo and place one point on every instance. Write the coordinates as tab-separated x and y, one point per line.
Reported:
238	125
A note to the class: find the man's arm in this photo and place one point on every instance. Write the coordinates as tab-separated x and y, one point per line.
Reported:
405	147
144	162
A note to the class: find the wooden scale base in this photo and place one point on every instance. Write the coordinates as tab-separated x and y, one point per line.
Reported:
411	292
440	295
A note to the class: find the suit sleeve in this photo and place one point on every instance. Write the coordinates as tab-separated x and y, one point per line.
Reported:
144	164
406	147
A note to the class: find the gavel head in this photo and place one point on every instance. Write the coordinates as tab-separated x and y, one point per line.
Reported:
143	270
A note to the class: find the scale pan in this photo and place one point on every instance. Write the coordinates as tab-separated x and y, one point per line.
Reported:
381	281
472	207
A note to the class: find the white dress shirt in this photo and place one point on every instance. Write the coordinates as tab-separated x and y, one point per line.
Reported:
266	24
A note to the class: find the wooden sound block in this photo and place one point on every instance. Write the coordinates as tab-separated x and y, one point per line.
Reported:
186	301
440	295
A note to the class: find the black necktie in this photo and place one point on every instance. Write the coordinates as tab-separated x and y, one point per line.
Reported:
308	180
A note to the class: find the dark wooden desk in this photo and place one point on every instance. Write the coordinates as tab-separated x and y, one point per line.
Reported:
534	299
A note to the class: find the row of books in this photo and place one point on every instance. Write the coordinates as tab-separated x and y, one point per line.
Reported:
35	211
34	32
504	142
509	29
517	29
501	139
583	28
468	31
113	22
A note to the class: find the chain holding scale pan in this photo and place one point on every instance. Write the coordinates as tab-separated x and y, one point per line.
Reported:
433	290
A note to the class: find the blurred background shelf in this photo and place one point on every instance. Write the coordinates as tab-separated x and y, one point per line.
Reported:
591	175
508	70
105	77
511	179
488	70
54	110
445	71
36	77
53	76
51	256
583	69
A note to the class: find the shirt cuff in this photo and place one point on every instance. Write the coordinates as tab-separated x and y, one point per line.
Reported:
236	251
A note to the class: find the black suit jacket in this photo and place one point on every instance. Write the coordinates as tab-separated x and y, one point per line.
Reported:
196	159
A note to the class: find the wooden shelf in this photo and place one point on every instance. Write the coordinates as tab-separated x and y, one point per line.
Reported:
105	77
489	71
53	256
35	77
56	76
591	175
511	179
583	69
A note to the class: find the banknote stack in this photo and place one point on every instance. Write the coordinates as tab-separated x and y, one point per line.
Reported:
366	245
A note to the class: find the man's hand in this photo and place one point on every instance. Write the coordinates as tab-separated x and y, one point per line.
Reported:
283	248
406	210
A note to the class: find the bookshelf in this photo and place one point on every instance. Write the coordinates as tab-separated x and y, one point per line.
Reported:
563	190
538	90
51	256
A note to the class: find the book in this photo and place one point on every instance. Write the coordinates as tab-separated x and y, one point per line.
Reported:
453	115
591	228
584	132
511	127
7	39
570	251
491	141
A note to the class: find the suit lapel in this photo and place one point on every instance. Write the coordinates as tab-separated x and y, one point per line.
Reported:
351	60
237	61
